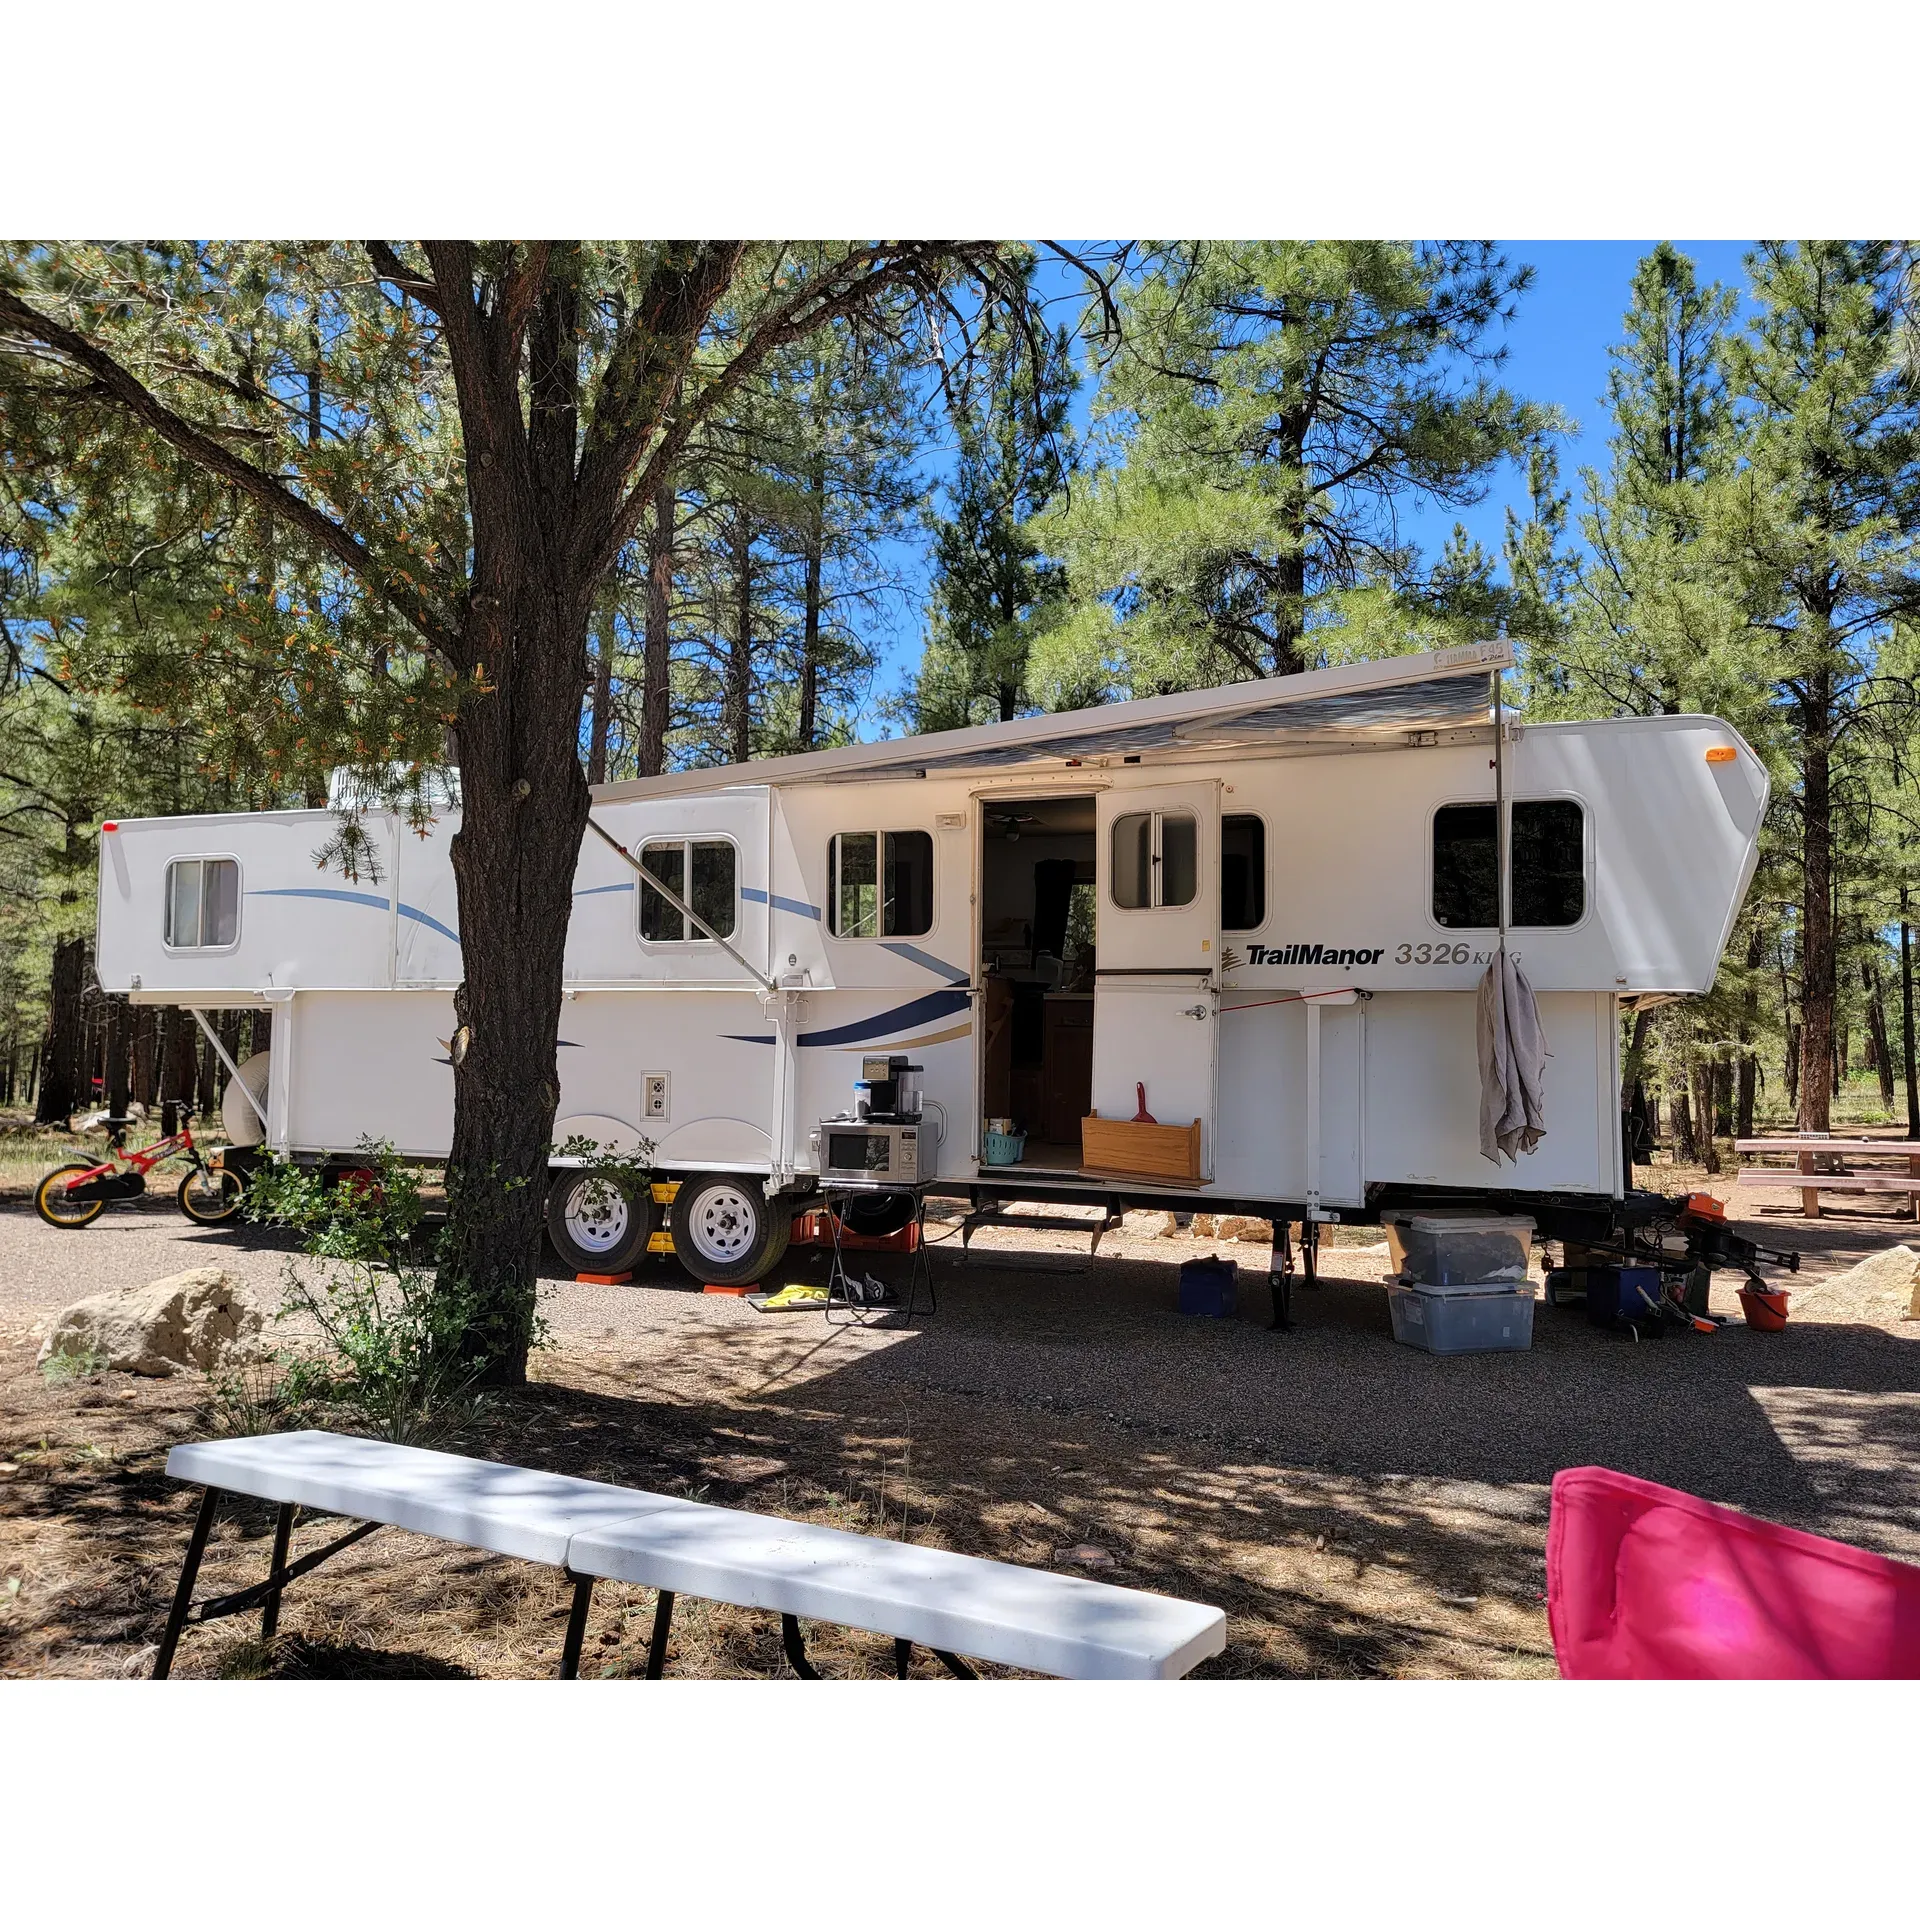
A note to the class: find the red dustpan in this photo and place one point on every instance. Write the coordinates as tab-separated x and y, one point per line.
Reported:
1644	1583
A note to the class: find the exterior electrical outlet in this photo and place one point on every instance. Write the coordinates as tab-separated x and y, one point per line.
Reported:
654	1095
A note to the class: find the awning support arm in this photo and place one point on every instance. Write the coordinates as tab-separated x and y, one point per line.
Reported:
226	1060
673	900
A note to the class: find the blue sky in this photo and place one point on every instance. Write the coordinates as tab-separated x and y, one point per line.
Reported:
1557	354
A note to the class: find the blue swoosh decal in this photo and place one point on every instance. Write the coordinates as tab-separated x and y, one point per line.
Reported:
619	886
780	902
876	1026
923	959
356	899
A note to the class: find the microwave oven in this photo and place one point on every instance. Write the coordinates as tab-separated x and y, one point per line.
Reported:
873	1153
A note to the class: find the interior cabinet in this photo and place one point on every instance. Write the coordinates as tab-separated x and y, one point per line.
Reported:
1067	1051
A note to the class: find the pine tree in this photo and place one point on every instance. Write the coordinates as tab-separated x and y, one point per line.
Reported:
1821	526
1275	410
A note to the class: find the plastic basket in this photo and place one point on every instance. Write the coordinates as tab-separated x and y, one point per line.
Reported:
1003	1149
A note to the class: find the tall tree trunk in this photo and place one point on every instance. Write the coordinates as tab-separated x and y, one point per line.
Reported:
206	1078
1749	1066
61	1052
1877	1025
146	1035
602	698
1911	1066
1685	1146
1704	1115
180	1060
1818	976
119	1053
656	664
816	541
737	716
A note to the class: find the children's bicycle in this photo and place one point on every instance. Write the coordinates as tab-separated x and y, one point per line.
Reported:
77	1194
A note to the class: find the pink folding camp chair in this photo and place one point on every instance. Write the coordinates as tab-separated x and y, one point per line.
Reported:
1644	1583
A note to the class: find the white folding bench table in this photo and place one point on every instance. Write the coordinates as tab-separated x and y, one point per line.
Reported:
952	1603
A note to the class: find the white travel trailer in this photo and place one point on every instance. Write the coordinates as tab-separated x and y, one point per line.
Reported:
1263	909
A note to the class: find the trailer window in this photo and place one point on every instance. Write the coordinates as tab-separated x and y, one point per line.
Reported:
1156	860
203	903
713	869
1243	872
879	883
1548	884
1549	863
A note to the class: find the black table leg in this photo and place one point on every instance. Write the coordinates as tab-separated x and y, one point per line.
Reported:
576	1626
795	1649
902	1654
662	1625
183	1594
282	1534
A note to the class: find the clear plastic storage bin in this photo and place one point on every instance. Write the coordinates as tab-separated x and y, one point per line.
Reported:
1459	1249
1495	1319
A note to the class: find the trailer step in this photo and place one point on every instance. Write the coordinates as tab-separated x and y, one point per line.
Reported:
993	1213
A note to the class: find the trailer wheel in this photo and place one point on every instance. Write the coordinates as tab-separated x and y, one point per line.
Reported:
594	1227
726	1232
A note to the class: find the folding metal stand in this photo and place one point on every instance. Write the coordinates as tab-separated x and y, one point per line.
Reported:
920	1263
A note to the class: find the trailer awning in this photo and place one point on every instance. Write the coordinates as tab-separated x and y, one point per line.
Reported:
1367	704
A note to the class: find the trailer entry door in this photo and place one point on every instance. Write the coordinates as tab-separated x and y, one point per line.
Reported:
1157	860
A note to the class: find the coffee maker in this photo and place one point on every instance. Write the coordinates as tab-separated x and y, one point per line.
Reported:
893	1087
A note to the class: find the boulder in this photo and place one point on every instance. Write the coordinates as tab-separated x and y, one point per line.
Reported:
1150	1225
1236	1226
1882	1289
1203	1225
190	1319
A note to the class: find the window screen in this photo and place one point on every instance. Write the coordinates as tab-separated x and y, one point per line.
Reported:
1156	860
1243	871
713	896
1548	865
879	883
1464	859
203	903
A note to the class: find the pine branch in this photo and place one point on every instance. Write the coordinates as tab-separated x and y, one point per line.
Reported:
113	380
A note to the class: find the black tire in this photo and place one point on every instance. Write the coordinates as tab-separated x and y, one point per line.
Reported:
48	1205
877	1214
726	1232
593	1226
211	1194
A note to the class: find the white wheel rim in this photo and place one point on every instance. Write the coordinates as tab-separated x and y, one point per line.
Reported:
724	1226
596	1216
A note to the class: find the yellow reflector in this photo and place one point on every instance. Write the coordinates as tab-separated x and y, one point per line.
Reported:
1718	756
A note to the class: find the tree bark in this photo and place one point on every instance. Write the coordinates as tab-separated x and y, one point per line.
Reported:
119	1053
61	1050
146	1035
656	665
1911	1066
206	1078
816	541
598	718
1877	1026
1704	1115
1818	976
737	714
1749	1069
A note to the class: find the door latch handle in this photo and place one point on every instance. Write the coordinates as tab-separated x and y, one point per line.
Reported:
1195	1013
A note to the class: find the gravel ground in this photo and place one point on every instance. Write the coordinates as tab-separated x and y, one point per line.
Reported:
1819	1427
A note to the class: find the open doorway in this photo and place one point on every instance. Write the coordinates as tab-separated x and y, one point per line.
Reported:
1037	924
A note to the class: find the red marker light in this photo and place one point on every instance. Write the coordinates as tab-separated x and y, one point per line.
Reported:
109	826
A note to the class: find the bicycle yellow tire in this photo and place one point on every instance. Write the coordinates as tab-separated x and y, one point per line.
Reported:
232	1190
82	1215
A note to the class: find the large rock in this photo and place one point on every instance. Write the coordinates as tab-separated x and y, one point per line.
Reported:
1149	1225
1882	1289
190	1319
1239	1226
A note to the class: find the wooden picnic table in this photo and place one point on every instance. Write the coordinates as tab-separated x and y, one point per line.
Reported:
1806	1148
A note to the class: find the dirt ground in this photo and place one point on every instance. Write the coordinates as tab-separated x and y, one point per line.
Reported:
1356	1508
